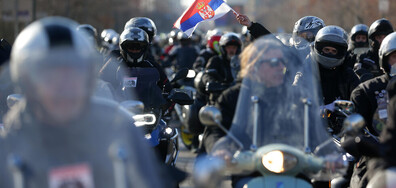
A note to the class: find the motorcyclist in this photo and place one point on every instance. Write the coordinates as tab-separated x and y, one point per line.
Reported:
370	95
134	44
384	161
255	29
59	135
182	55
328	53
109	43
265	77
371	99
147	25
218	68
172	42
304	32
226	103
368	63
358	38
212	49
193	124
196	38
91	33
358	43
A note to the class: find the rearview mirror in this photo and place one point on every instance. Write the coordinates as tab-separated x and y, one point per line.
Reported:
346	106
181	96
182	73
13	99
208	172
354	123
210	115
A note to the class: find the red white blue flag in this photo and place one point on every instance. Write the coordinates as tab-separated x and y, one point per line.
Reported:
201	10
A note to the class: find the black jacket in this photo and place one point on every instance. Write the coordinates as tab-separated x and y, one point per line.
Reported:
109	71
218	69
369	166
226	103
181	57
257	30
364	98
388	135
368	63
337	83
202	59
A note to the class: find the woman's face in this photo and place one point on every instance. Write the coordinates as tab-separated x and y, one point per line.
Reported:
271	68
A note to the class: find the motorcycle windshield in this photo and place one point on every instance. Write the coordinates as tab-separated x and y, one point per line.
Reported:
270	106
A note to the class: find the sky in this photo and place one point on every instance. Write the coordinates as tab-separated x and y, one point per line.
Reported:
186	3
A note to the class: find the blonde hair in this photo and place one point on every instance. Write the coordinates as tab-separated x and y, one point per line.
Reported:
254	51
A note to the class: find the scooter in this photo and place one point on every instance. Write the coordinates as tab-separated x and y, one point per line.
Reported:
280	165
277	133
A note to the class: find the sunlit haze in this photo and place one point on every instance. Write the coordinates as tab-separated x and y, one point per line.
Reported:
186	3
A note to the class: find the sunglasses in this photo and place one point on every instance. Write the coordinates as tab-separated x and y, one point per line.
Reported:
273	62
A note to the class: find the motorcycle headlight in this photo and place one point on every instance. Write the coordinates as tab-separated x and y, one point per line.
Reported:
278	161
144	119
191	74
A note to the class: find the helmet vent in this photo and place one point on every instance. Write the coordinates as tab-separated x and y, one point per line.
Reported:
58	36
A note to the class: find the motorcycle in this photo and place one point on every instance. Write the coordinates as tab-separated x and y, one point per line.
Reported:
150	119
188	114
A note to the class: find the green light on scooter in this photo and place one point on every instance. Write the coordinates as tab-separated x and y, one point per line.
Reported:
278	161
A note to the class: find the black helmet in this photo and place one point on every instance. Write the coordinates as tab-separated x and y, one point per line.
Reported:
388	46
133	38
143	23
90	31
359	29
332	36
230	39
308	24
379	27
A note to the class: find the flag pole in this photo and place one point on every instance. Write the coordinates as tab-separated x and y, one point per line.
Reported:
235	12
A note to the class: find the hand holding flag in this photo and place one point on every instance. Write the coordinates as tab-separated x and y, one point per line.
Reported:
201	10
243	19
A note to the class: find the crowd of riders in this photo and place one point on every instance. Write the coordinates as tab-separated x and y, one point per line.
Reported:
72	79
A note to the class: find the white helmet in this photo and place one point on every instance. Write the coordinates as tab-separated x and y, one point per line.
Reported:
51	60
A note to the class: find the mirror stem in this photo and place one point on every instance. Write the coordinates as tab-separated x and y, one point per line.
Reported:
255	101
229	134
307	102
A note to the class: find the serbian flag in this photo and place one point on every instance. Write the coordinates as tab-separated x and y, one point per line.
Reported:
201	10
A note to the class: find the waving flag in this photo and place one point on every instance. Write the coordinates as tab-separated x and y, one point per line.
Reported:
201	10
